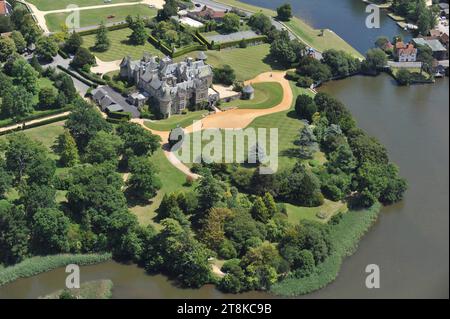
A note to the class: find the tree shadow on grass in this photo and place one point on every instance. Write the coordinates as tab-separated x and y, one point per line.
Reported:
274	64
290	153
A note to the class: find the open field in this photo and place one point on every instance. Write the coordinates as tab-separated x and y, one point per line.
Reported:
48	5
120	46
267	95
45	134
182	120
311	36
98	289
328	209
96	16
247	63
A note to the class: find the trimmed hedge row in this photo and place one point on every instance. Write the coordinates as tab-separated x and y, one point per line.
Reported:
120	115
40	264
202	39
77	76
91	77
110	28
37	124
224	45
38	115
158	44
63	54
190	48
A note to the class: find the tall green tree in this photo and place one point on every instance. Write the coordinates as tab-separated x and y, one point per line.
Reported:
284	12
143	182
66	148
102	42
139	35
14	234
25	75
50	229
47	48
84	123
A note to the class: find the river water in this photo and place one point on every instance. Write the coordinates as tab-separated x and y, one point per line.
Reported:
409	242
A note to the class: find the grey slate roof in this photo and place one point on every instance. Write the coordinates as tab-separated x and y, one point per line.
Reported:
248	89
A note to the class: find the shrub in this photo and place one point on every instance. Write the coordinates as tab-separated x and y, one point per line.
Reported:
305	82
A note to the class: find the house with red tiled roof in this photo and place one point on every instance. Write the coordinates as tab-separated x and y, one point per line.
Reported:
207	13
405	52
5	8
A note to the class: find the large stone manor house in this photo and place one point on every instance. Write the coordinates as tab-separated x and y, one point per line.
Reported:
171	86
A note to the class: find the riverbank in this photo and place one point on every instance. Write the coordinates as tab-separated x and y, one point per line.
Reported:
345	236
304	32
39	264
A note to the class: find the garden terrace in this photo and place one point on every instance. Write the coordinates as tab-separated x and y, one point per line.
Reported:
120	46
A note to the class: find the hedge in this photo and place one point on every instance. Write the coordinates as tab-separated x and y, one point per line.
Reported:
77	76
115	121
36	124
190	48
91	77
261	38
110	28
120	115
202	39
36	116
158	44
63	54
39	264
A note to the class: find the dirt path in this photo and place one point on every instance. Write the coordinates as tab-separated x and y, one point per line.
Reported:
11	127
40	15
105	67
235	118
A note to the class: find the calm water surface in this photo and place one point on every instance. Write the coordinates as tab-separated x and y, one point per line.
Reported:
410	241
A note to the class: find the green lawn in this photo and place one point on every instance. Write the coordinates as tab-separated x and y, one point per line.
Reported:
182	120
311	36
120	47
267	95
247	63
47	5
329	209
96	16
46	134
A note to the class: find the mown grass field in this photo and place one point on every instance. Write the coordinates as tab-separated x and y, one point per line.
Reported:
47	5
120	46
94	17
247	63
267	95
182	120
328	209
